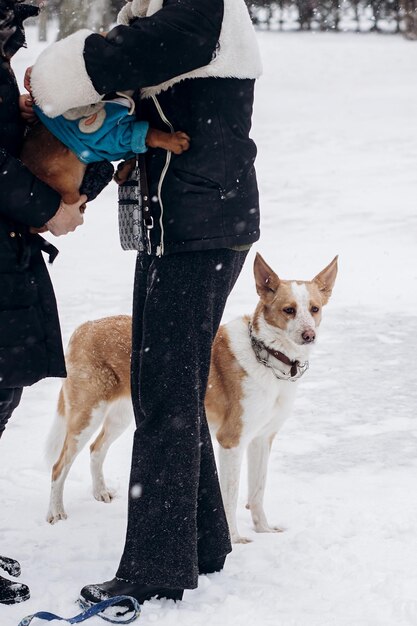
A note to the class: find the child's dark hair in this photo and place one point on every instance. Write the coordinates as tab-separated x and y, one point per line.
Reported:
12	34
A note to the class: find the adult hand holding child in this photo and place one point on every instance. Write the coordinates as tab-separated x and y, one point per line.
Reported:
67	218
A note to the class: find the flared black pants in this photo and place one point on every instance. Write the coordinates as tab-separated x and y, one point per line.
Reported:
9	400
176	520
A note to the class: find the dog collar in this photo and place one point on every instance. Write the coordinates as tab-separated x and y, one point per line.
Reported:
264	352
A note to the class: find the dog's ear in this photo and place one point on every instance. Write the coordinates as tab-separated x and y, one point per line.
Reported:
325	280
267	282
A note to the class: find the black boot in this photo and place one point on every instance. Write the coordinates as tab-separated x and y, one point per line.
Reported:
91	594
10	566
11	592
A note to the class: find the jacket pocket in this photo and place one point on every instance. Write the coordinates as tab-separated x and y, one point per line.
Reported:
193	207
20	327
193	183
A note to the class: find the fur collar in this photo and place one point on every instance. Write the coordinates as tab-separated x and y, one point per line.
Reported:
237	55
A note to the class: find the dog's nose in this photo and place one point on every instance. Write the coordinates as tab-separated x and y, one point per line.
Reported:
308	336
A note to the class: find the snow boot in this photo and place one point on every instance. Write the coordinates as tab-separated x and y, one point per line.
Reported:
11	592
10	566
91	594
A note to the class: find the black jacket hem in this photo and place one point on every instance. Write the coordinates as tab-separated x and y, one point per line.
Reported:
197	245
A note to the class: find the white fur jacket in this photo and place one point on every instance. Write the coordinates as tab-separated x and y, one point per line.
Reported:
60	80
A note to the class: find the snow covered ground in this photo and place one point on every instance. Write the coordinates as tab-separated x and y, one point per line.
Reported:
335	123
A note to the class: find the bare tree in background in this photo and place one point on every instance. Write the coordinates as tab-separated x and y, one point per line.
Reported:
43	22
100	15
73	15
409	8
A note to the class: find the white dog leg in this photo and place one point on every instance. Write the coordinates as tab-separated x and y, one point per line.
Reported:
258	456
229	464
119	415
56	509
73	444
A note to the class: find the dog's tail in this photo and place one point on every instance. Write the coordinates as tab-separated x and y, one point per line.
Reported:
57	433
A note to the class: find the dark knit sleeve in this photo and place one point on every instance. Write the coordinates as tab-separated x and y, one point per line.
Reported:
179	38
23	197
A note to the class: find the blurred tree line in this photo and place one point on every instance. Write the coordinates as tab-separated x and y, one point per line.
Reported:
388	16
71	15
325	15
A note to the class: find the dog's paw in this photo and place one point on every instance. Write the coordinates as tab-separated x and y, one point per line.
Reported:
104	495
239	539
54	516
268	529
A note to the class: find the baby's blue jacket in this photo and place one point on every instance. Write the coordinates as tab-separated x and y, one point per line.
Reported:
111	134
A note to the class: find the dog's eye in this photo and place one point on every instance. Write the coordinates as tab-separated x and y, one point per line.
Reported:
289	310
315	309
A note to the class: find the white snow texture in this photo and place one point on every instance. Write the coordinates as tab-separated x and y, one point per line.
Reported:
335	125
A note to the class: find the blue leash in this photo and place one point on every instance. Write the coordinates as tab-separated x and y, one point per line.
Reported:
95	609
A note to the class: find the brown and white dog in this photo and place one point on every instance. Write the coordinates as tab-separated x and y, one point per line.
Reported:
255	367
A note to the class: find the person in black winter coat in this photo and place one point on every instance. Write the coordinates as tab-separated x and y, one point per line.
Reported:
30	336
194	63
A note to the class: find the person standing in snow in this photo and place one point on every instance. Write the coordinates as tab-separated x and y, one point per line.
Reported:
30	336
194	63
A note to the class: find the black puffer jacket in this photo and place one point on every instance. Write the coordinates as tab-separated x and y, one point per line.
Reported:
30	337
206	197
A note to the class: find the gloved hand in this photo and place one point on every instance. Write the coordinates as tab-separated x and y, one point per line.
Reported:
67	218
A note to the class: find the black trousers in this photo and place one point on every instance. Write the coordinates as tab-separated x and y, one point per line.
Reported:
9	400
176	518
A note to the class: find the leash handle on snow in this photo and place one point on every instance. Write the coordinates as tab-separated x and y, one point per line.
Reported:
96	609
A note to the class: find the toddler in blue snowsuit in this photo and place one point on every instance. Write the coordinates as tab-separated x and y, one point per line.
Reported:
107	131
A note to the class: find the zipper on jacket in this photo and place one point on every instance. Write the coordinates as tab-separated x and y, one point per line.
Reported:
160	248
